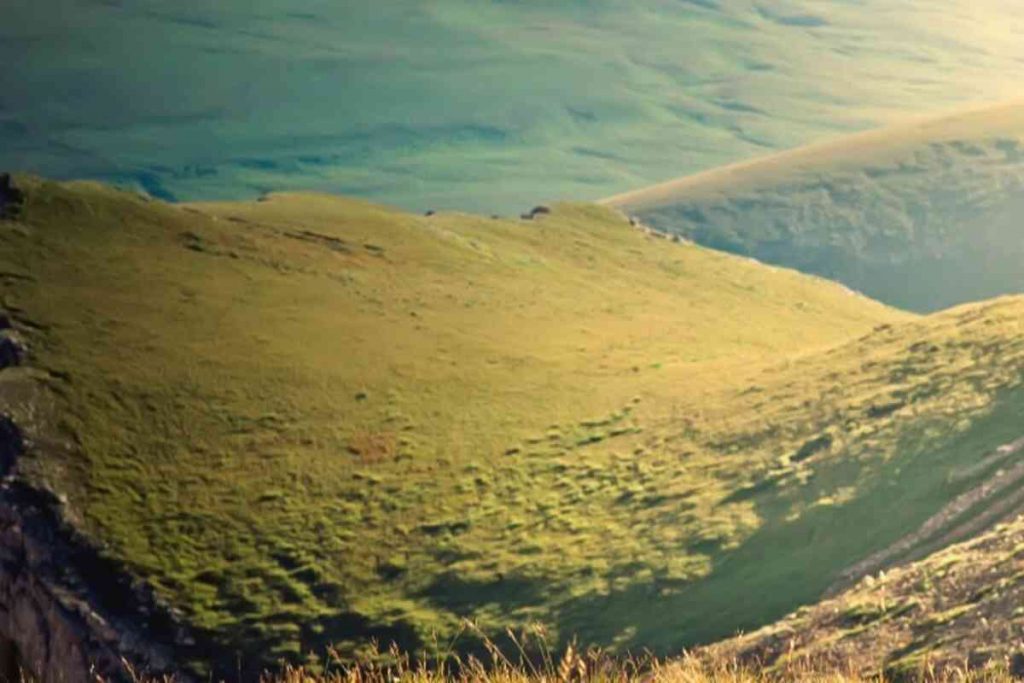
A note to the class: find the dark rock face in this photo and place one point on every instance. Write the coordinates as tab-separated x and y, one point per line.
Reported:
12	350
66	613
11	198
69	613
535	212
11	445
41	633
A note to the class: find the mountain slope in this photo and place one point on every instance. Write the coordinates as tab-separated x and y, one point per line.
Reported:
958	608
310	421
922	216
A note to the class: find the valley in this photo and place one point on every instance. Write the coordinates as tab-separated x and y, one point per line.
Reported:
308	422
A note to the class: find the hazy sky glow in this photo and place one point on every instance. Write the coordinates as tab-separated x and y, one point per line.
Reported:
470	104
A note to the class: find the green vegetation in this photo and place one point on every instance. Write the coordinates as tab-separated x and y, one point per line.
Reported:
309	421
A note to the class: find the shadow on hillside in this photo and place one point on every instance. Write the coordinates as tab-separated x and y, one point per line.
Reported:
781	566
462	596
786	564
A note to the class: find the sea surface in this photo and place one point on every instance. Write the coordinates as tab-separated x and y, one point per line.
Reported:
471	104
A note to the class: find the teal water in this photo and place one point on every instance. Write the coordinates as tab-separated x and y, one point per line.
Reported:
472	104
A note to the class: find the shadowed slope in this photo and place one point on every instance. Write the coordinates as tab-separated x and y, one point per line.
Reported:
922	216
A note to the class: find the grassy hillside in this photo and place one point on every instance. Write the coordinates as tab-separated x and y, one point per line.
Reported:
309	421
921	216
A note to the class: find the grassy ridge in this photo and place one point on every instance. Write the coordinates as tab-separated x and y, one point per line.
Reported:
921	216
310	421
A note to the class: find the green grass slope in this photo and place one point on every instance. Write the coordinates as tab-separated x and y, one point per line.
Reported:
921	216
310	421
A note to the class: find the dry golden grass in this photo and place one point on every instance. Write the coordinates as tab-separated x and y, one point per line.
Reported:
595	666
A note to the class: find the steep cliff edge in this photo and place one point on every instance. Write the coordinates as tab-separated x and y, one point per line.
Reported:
67	613
47	626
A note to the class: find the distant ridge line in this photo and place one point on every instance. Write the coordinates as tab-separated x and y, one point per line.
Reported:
844	149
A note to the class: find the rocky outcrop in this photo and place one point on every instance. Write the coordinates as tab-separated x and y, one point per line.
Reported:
68	612
43	632
54	621
11	198
535	212
12	350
